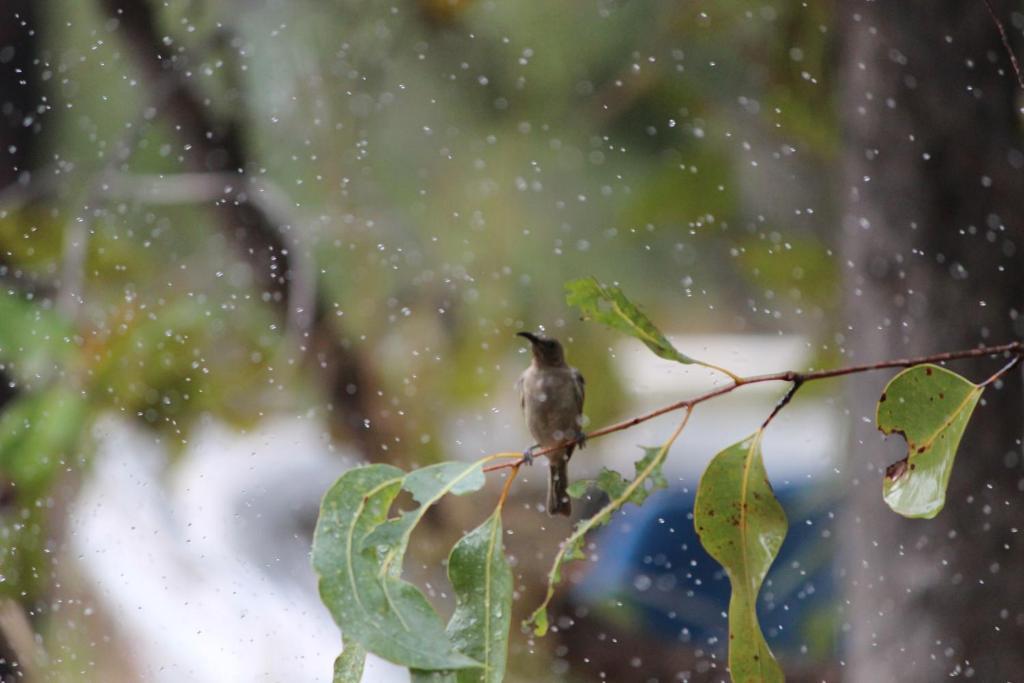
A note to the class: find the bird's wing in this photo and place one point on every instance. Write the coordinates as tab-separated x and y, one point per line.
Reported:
581	390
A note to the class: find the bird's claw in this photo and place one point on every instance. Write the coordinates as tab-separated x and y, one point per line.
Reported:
528	455
581	438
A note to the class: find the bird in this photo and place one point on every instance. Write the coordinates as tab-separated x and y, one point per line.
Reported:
551	394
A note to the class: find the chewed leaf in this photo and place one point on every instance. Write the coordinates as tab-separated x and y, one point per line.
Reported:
614	484
578	488
607	304
930	406
427	486
742	525
482	580
359	582
620	492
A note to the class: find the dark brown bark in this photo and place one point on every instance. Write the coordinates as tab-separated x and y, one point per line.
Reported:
933	254
19	89
19	114
19	127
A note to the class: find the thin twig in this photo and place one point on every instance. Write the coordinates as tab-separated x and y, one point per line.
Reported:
1006	43
1016	348
797	382
728	373
1003	370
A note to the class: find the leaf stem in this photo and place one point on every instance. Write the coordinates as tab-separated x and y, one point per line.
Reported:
731	375
1016	348
1003	370
1006	43
507	487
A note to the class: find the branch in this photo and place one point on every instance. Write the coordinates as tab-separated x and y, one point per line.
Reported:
797	378
263	237
797	383
214	145
1006	42
1003	370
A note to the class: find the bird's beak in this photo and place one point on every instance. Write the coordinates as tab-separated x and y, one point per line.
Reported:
528	335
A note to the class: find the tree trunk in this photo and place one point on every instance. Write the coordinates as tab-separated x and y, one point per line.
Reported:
933	255
19	130
19	117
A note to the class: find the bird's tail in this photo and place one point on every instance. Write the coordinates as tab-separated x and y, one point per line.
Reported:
558	485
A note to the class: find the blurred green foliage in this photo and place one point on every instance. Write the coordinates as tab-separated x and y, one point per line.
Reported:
447	166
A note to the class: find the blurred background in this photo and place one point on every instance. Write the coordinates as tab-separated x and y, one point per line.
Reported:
245	246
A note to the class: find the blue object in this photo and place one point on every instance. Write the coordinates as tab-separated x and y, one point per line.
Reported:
652	570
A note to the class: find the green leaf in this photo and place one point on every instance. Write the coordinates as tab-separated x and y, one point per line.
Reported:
419	676
930	407
359	580
41	436
614	485
482	579
741	524
619	492
35	341
427	486
348	667
608	305
39	433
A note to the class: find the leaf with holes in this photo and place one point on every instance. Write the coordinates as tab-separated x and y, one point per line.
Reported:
930	406
614	484
359	581
742	525
427	486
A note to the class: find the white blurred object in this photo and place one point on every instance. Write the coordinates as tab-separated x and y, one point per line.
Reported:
204	567
743	354
804	439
